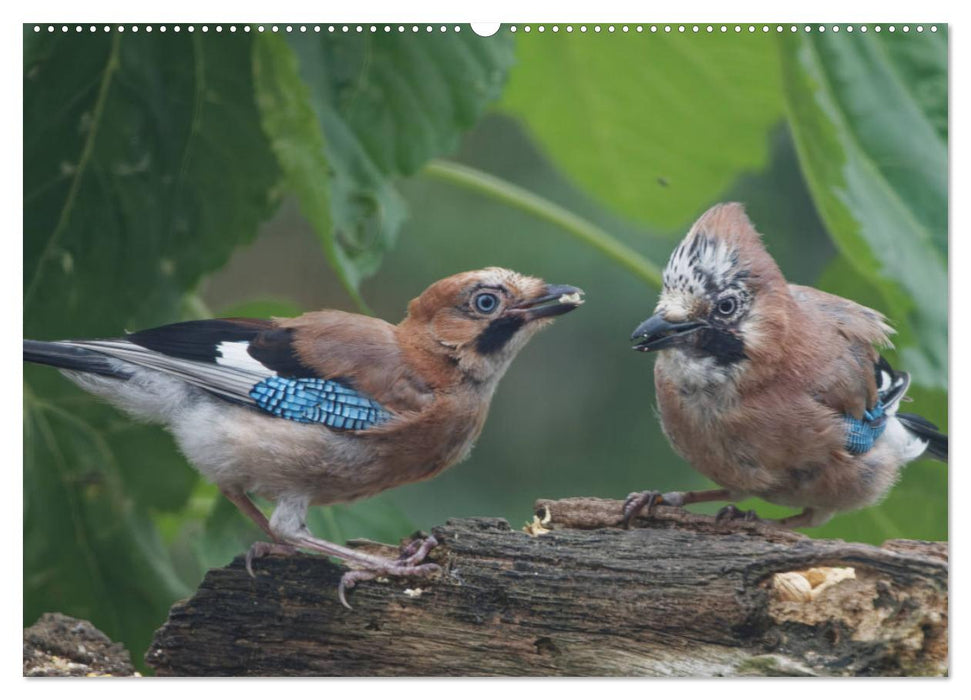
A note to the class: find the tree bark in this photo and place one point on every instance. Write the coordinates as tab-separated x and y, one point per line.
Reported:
679	594
59	645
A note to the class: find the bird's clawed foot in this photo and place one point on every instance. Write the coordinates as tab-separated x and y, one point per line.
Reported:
730	512
408	563
640	502
417	549
352	578
644	502
261	549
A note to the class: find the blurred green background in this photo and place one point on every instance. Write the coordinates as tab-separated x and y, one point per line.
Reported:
179	175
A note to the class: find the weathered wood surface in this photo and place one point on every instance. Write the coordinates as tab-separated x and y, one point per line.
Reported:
59	645
677	595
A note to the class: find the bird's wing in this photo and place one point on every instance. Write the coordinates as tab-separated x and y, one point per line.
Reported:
853	320
844	337
252	362
366	352
863	431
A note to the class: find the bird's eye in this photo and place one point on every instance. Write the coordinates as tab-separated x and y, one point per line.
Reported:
486	303
727	306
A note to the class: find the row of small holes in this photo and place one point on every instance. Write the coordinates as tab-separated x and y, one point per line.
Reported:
554	28
723	28
246	28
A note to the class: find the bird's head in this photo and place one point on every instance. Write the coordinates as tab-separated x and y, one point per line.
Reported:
723	295
480	320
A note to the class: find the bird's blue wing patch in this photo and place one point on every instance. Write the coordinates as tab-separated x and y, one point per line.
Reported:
863	432
314	400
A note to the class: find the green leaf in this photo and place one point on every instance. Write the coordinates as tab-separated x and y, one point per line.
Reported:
921	62
298	142
349	114
656	126
866	119
90	548
145	166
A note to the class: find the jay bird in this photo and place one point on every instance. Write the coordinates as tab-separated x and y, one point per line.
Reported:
327	407
772	389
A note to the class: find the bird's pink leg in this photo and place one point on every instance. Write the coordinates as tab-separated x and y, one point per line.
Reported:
259	549
407	564
287	527
249	509
372	566
645	501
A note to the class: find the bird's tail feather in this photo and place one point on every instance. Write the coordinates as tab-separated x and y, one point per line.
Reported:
64	355
925	430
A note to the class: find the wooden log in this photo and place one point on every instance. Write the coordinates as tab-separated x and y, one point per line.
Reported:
59	645
677	595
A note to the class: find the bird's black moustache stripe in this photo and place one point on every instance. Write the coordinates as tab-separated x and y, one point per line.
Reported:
725	347
497	334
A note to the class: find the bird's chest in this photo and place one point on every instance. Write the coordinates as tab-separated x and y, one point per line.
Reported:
696	391
697	401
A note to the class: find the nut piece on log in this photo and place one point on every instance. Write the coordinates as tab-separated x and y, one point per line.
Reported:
677	596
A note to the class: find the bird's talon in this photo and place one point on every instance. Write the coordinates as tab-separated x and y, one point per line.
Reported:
408	549
640	501
730	512
726	513
342	588
352	578
417	549
261	549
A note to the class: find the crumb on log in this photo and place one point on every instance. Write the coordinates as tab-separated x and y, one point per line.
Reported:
575	595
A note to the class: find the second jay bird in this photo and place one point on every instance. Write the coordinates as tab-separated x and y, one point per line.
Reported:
772	389
328	407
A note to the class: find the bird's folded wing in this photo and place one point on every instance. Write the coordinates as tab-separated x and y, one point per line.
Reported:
250	362
844	340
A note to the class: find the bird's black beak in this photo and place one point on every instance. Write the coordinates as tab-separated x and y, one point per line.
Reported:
557	299
657	333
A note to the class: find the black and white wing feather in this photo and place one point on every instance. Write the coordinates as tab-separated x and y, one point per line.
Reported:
892	385
212	355
244	361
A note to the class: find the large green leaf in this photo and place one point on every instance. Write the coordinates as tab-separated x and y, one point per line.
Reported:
298	143
90	548
867	114
656	126
349	113
145	165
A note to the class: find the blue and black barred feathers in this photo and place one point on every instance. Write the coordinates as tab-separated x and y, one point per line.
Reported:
314	400
861	433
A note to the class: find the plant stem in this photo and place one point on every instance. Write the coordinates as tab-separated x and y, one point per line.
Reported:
527	201
194	307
